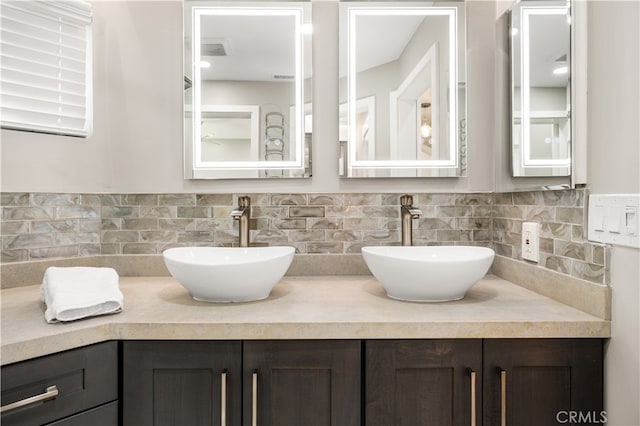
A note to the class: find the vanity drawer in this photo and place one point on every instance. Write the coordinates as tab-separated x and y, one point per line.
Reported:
104	415
84	378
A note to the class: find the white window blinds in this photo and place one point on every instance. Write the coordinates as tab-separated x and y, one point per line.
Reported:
45	66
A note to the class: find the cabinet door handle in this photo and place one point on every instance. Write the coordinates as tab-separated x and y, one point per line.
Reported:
473	397
49	393
254	399
503	397
223	398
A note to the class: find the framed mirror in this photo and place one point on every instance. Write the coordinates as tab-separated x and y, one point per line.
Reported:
540	50
402	89
247	78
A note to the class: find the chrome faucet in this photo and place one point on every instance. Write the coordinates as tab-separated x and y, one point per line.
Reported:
242	213
407	213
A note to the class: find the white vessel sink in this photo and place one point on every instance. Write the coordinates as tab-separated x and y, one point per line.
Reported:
428	273
228	274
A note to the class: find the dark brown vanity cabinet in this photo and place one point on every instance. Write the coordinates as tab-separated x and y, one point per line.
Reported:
181	383
302	383
279	383
72	388
532	382
423	382
495	382
491	382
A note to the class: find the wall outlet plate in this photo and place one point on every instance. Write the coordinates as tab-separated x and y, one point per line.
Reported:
531	241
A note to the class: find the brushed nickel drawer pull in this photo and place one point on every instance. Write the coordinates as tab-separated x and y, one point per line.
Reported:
49	393
223	398
254	399
473	397
503	397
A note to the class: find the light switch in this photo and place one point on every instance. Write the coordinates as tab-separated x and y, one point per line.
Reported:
614	219
596	217
630	220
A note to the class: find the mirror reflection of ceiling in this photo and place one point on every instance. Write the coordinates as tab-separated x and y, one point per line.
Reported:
547	49
382	46
248	48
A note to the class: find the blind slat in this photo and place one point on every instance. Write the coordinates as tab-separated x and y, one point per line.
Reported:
74	12
27	58
75	34
48	59
69	46
45	66
41	93
55	109
20	76
46	124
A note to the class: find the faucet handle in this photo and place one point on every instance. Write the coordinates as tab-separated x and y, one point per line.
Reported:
244	201
406	200
415	213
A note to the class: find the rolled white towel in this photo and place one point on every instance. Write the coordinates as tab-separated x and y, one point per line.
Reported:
73	293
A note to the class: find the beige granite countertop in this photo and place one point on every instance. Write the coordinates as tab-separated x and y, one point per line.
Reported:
322	307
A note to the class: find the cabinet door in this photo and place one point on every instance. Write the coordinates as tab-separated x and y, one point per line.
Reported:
181	383
423	382
295	383
532	382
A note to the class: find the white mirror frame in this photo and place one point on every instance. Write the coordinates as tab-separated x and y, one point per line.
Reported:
352	14
194	166
525	126
579	99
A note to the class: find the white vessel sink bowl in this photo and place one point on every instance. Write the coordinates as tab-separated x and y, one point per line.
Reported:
428	273
228	274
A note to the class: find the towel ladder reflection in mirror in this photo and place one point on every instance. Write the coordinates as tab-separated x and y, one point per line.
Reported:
274	141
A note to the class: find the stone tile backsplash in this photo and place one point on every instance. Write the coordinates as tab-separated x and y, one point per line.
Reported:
42	226
563	244
39	226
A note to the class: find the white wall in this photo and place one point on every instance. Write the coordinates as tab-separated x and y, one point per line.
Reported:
137	112
434	29
613	159
137	143
376	82
543	98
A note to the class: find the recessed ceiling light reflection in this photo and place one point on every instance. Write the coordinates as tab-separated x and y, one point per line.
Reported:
563	69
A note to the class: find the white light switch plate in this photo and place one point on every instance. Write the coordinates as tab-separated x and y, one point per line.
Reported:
531	241
614	219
